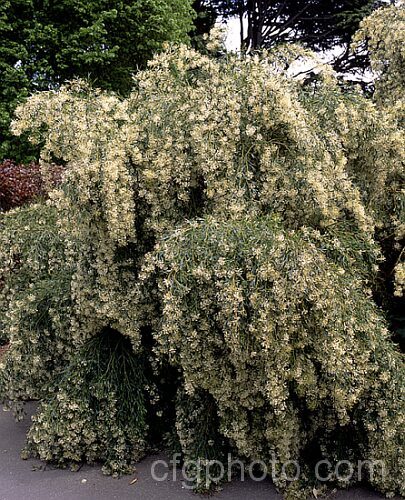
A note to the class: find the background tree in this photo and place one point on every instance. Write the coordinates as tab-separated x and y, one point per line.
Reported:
204	21
14	81
316	24
44	43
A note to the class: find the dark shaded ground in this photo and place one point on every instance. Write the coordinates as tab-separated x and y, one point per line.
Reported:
28	480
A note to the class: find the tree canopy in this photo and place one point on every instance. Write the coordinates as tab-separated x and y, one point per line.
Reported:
316	24
44	43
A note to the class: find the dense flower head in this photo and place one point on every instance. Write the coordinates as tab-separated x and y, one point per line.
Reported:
247	317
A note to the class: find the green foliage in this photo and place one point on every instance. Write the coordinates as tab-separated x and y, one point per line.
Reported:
99	410
222	219
383	35
204	21
34	301
288	361
43	44
197	426
14	81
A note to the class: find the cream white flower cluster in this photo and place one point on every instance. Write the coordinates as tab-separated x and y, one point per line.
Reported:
383	34
286	342
222	218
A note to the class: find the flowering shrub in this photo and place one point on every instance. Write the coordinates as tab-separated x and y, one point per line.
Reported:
222	219
288	361
91	394
383	33
21	184
34	301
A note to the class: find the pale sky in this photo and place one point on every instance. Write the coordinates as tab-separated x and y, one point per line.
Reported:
232	43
